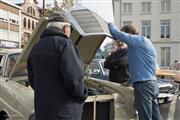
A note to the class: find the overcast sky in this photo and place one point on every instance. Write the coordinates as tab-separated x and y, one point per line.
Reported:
101	7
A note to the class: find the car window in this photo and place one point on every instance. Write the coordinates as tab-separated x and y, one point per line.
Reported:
10	64
93	67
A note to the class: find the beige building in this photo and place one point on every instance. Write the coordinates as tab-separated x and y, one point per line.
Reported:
30	18
10	25
157	20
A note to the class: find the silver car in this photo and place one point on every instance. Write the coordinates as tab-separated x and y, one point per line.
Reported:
15	97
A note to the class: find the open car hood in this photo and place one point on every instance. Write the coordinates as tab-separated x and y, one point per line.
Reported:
88	32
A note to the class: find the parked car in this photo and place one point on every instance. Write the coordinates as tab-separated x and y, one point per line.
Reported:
106	101
175	66
96	70
15	98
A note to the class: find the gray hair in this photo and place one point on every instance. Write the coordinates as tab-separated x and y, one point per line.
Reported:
58	24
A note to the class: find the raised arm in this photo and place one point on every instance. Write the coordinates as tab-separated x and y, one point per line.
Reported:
127	38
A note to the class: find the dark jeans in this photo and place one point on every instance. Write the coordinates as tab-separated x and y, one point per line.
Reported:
146	94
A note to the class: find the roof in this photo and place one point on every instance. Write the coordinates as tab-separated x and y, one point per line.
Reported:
20	4
16	6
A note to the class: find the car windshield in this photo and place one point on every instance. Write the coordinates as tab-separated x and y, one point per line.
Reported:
11	63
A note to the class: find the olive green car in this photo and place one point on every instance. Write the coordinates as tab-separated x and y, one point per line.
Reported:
106	100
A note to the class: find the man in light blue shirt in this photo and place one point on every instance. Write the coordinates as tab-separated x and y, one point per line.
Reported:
142	67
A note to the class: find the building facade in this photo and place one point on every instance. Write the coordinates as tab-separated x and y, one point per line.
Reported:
158	20
10	25
30	18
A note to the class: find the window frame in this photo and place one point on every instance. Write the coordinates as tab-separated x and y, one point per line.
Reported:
165	29
146	6
165	6
127	7
165	56
146	25
24	23
29	24
31	11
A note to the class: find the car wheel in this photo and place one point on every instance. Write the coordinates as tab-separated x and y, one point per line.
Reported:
4	115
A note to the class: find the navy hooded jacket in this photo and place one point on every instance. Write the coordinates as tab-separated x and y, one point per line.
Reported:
55	72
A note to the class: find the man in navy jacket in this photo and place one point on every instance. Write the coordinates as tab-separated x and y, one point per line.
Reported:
55	72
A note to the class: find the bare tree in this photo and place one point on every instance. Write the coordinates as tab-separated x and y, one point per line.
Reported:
64	6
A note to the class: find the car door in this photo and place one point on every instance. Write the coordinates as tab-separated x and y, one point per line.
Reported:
10	101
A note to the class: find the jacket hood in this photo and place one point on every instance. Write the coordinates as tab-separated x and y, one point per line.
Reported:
51	32
88	32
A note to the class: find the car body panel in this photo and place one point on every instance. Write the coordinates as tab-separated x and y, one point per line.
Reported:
14	100
123	97
163	73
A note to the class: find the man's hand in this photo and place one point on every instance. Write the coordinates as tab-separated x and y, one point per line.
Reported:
110	25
